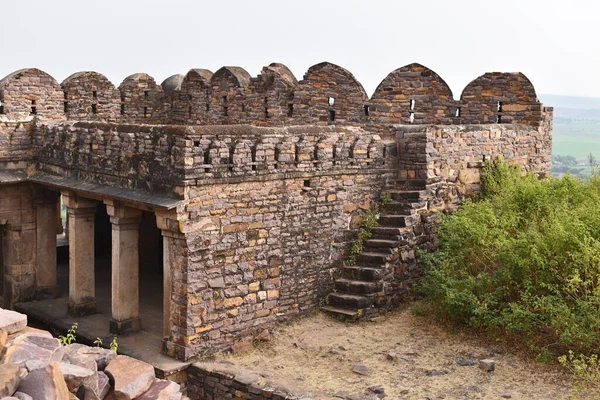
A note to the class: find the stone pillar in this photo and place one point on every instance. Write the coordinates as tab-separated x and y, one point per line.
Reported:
167	282
19	262
46	207
175	302
172	241
82	283
125	268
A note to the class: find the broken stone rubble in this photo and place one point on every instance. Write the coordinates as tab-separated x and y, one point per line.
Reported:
34	365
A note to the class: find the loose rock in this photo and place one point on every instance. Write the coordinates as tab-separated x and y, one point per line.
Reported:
45	383
264	336
436	372
465	363
392	357
377	389
81	355
22	396
131	377
12	321
162	390
487	365
3	339
10	377
100	390
361	370
31	346
76	376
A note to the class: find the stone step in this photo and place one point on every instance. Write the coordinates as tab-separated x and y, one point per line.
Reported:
372	258
358	287
347	300
414	195
390	233
362	273
412	183
348	313
395	220
381	244
400	207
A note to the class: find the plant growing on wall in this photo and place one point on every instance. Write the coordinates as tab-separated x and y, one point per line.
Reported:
370	220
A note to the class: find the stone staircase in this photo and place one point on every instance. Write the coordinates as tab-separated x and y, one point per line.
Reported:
363	288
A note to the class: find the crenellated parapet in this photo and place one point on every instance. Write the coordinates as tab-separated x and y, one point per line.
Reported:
30	93
142	100
164	159
244	151
413	94
90	96
327	95
15	144
139	157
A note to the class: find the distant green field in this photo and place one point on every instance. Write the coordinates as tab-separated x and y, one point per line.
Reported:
577	139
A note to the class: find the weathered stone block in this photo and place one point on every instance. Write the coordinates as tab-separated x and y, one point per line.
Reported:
131	377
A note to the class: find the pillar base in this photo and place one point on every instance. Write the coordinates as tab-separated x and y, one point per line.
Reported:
81	309
46	292
125	326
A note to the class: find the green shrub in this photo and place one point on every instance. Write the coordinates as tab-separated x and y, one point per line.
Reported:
523	259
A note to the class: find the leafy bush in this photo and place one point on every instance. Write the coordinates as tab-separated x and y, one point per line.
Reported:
523	259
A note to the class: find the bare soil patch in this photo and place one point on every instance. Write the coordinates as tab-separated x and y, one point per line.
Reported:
316	355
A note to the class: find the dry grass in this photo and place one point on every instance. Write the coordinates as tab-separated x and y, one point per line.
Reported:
316	355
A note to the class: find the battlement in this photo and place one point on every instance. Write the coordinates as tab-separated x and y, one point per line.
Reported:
164	159
327	95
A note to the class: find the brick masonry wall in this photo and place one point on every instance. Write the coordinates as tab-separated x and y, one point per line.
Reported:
142	100
413	89
447	160
30	93
18	239
229	88
329	94
141	157
15	144
191	104
266	223
212	381
90	96
267	213
413	94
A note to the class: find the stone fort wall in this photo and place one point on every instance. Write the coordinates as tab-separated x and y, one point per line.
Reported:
266	212
327	95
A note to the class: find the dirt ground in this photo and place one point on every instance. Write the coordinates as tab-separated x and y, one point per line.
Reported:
316	355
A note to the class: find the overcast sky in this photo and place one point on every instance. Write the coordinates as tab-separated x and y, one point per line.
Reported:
555	43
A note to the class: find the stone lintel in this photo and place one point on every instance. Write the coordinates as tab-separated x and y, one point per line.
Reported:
119	211
73	201
124	224
168	222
